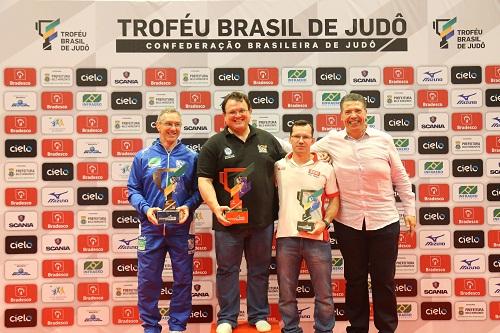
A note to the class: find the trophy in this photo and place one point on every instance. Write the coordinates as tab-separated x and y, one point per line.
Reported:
241	185
308	199
169	213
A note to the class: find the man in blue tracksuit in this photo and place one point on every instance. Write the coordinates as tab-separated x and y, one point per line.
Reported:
167	163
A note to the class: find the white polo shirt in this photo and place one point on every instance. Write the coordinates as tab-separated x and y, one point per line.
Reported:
301	180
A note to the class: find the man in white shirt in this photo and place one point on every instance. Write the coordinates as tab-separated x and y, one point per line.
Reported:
367	166
303	184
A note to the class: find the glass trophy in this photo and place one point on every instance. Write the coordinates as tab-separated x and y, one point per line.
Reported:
236	214
308	200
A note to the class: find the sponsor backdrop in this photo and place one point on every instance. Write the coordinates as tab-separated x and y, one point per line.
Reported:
82	83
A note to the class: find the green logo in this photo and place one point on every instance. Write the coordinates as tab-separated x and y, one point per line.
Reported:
433	166
92	98
467	190
297	74
370	120
92	265
496	212
401	143
337	262
404	308
330	97
154	162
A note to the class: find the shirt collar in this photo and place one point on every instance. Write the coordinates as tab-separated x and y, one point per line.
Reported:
311	161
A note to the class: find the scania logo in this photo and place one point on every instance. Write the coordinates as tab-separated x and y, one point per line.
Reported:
467	168
264	99
466	74
86	77
229	77
131	100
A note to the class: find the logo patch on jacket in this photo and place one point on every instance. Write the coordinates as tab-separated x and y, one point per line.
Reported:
262	148
154	162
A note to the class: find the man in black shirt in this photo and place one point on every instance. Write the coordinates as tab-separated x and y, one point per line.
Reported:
236	180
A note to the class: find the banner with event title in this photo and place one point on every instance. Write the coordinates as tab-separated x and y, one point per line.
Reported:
83	81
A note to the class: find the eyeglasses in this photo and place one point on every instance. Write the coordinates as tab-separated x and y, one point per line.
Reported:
171	124
237	112
301	137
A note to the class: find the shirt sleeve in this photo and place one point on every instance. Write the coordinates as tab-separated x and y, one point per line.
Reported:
331	187
135	186
401	180
323	144
207	161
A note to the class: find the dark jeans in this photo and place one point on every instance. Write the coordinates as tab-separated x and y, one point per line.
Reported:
375	252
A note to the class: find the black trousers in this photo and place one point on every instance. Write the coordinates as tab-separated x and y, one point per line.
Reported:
374	252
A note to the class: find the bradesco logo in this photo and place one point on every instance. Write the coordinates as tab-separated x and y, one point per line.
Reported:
201	313
219	123
432	98
195	100
19	77
126	100
203	241
161	77
399	122
57	147
58	220
21	244
466	74
433	145
435	310
93	243
87	196
91	77
493	191
297	99
467	168
60	268
57	100
494	239
435	263
492	144
119	195
194	144
327	122
60	316
407	240
20	318
125	219
468	239
398	75
92	171
468	215
92	124
229	76
288	120
434	216
125	267
24	196
20	124
264	99
202	266
470	287
467	121
305	289
57	171
406	287
125	147
372	97
20	148
93	291
126	315
492	97
338	287
492	74
331	76
264	76
409	167
21	293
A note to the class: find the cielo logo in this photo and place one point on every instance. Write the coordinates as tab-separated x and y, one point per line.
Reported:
92	196
494	263
406	287
229	76
23	317
124	219
91	77
124	267
331	76
468	239
444	29
372	97
433	145
399	122
493	191
466	74
264	99
57	171
201	313
126	100
467	168
47	30
288	120
436	310
434	215
305	289
21	244
20	148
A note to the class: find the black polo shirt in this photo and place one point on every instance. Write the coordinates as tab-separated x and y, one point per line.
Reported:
224	151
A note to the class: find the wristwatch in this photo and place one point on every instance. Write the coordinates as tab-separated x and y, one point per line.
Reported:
327	224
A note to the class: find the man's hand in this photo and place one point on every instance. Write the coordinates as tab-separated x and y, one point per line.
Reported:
219	214
319	226
324	156
151	214
411	223
183	213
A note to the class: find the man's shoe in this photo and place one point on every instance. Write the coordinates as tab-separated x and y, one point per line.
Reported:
224	328
176	331
262	326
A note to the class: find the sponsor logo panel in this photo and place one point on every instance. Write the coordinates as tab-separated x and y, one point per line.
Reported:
21	172
22	317
265	76
21	293
161	77
469	215
58	220
19	101
19	77
21	220
467	121
91	77
20	124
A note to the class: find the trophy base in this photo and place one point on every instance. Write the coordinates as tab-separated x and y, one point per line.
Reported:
305	225
237	216
168	216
